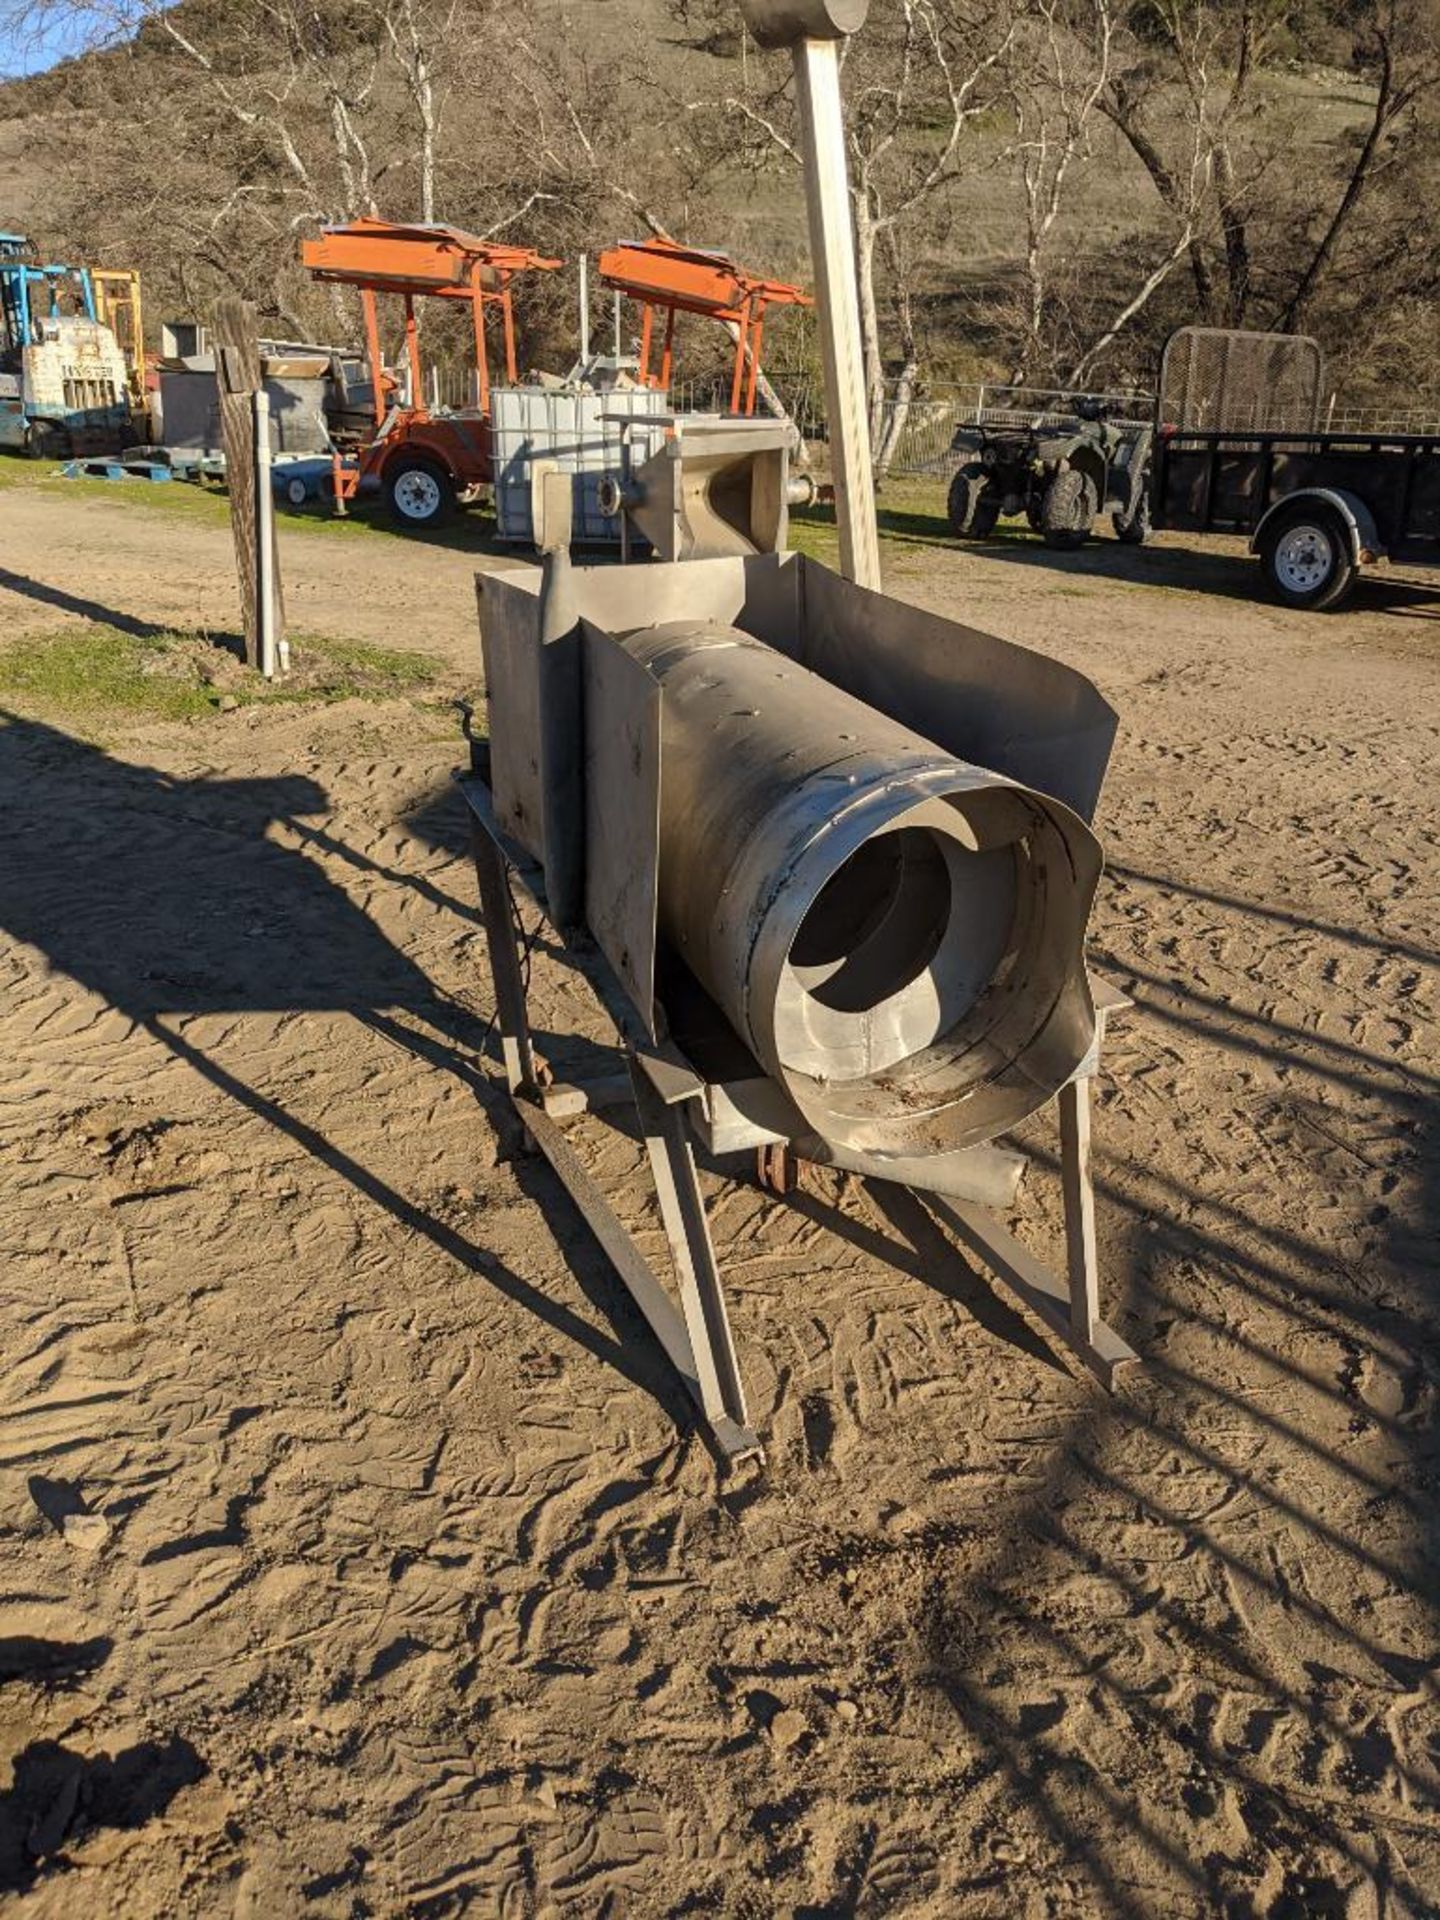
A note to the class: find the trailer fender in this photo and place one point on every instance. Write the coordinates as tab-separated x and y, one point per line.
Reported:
1360	522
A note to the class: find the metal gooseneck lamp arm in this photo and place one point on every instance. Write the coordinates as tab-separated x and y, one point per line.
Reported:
813	29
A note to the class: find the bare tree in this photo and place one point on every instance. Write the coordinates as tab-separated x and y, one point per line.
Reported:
1055	77
1398	47
919	65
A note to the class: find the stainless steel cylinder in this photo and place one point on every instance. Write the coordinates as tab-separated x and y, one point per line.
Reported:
780	23
896	934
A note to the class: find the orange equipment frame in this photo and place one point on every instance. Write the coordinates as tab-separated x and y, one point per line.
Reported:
666	277
382	256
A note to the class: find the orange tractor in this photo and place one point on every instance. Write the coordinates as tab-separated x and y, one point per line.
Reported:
424	460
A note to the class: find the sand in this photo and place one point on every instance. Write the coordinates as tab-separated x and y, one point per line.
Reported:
358	1555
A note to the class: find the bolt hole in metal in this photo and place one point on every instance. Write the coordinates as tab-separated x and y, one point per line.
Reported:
1304	559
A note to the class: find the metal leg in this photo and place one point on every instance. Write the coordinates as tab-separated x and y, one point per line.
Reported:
511	1017
1080	1262
698	1344
702	1298
1070	1308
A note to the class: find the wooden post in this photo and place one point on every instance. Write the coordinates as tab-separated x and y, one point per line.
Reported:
813	31
832	246
237	374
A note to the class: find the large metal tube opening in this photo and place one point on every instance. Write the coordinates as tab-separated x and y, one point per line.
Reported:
876	924
920	924
896	935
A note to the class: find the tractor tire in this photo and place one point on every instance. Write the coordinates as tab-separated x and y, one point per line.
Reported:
1307	558
1133	528
1067	513
966	505
419	493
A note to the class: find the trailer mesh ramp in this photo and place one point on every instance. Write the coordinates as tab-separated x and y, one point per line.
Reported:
1217	381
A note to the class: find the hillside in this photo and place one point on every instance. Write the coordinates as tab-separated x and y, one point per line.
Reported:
609	117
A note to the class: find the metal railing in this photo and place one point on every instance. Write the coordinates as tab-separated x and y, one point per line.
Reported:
1338	419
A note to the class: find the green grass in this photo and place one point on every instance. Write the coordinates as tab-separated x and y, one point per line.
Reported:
96	675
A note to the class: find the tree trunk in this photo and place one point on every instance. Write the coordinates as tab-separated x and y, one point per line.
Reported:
887	443
1294	313
869	309
1237	239
1123	116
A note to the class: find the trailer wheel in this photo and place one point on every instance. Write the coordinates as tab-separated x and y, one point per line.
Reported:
971	515
419	493
1307	558
1067	513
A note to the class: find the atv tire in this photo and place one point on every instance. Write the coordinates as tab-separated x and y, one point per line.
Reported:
1067	513
971	515
1133	527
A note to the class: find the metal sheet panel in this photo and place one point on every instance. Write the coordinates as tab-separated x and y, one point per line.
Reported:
986	700
510	638
622	814
759	594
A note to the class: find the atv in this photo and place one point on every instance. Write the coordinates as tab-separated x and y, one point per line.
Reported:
1060	475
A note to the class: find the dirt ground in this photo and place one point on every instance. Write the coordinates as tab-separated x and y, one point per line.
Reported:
413	1588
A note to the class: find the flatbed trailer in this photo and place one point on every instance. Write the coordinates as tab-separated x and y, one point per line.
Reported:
1239	449
1317	507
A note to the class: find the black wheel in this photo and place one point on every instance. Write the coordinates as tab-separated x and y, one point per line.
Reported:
419	492
986	514
971	515
45	440
296	492
1133	527
1067	512
1307	557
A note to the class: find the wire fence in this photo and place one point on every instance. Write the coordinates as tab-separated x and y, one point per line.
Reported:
915	433
1367	420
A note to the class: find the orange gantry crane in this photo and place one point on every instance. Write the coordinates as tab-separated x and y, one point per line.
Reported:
424	461
666	278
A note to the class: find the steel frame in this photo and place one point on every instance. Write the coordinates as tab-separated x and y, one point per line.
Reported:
661	1081
444	263
664	277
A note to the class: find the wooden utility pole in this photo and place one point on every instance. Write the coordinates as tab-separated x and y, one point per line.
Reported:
238	376
813	30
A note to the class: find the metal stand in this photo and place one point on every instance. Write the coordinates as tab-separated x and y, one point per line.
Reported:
662	1082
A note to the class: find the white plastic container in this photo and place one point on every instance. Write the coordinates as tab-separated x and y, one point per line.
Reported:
575	428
